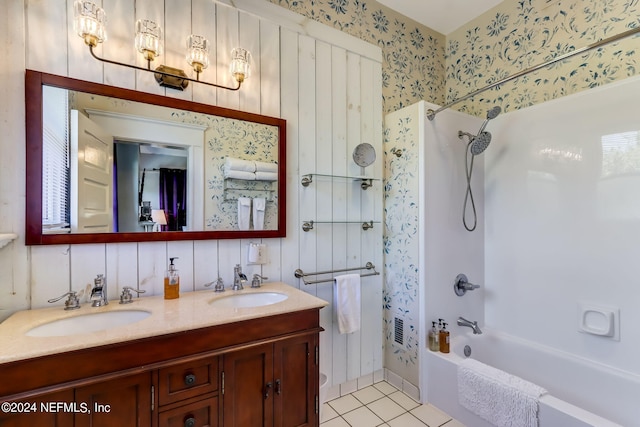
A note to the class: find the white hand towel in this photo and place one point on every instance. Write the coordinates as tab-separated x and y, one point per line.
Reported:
266	167
244	213
266	176
347	296
247	176
259	205
496	396
233	164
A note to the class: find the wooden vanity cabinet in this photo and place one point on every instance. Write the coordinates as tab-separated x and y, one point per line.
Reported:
296	384
119	402
258	372
122	401
18	416
271	384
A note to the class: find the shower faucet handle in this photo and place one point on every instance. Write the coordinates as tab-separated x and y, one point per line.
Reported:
462	285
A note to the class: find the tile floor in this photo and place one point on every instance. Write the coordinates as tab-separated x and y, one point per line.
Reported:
381	404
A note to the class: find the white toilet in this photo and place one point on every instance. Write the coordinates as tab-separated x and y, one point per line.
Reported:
324	381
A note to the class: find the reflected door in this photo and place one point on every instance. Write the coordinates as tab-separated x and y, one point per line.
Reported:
91	174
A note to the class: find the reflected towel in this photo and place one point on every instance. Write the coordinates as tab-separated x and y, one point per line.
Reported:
498	397
347	296
233	164
244	213
266	167
266	176
259	205
247	176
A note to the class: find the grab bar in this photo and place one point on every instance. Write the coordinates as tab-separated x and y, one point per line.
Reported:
301	274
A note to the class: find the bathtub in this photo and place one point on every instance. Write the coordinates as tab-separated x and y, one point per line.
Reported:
580	392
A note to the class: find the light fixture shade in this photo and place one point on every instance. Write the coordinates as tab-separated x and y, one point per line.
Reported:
149	39
89	22
158	216
197	52
240	66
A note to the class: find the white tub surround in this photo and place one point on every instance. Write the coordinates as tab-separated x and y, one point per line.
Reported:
561	209
191	311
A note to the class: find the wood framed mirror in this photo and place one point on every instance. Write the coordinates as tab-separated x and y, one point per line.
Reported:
144	167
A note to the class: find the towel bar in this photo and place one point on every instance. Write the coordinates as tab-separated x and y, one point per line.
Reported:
301	274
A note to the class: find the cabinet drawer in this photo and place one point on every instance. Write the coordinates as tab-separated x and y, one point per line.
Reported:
203	413
186	380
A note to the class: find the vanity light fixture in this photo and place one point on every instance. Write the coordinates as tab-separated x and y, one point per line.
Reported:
90	24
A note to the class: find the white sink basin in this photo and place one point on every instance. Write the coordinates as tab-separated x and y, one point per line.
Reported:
255	299
87	323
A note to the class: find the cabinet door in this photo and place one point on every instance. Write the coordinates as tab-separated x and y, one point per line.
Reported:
44	410
295	382
203	413
122	402
248	387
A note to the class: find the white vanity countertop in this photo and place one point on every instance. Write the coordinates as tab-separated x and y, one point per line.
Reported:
190	311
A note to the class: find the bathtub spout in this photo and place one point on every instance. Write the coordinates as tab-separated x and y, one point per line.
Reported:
473	325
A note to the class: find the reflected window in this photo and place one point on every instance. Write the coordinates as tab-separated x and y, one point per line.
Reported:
55	159
620	154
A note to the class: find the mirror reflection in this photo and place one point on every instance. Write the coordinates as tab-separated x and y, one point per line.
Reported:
86	150
113	165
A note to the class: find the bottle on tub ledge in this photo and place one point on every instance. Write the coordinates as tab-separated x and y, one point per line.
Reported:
172	281
434	342
444	338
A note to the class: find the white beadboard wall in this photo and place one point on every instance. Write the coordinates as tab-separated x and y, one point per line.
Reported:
327	85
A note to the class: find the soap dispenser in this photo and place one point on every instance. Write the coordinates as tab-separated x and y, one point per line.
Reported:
444	338
434	343
172	281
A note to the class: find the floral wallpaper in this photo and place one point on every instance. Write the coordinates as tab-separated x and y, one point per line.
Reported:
401	240
241	140
422	64
517	35
413	62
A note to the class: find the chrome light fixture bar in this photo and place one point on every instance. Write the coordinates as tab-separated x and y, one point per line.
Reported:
90	24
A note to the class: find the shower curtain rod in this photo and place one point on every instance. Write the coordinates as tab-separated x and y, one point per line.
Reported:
432	113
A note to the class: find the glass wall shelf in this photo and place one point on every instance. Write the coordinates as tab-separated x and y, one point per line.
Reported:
308	225
234	188
365	182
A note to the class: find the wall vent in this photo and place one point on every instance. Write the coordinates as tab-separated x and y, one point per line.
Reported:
398	331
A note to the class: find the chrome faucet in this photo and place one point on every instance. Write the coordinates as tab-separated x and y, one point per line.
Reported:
473	325
257	280
99	292
219	285
239	278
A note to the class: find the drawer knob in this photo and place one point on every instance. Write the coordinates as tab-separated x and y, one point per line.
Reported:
190	422
189	379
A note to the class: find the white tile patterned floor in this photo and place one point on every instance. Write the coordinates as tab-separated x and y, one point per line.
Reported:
381	404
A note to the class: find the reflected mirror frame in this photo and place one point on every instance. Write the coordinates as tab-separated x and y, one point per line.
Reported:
34	80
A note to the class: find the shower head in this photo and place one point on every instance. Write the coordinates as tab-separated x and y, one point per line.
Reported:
480	143
493	113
